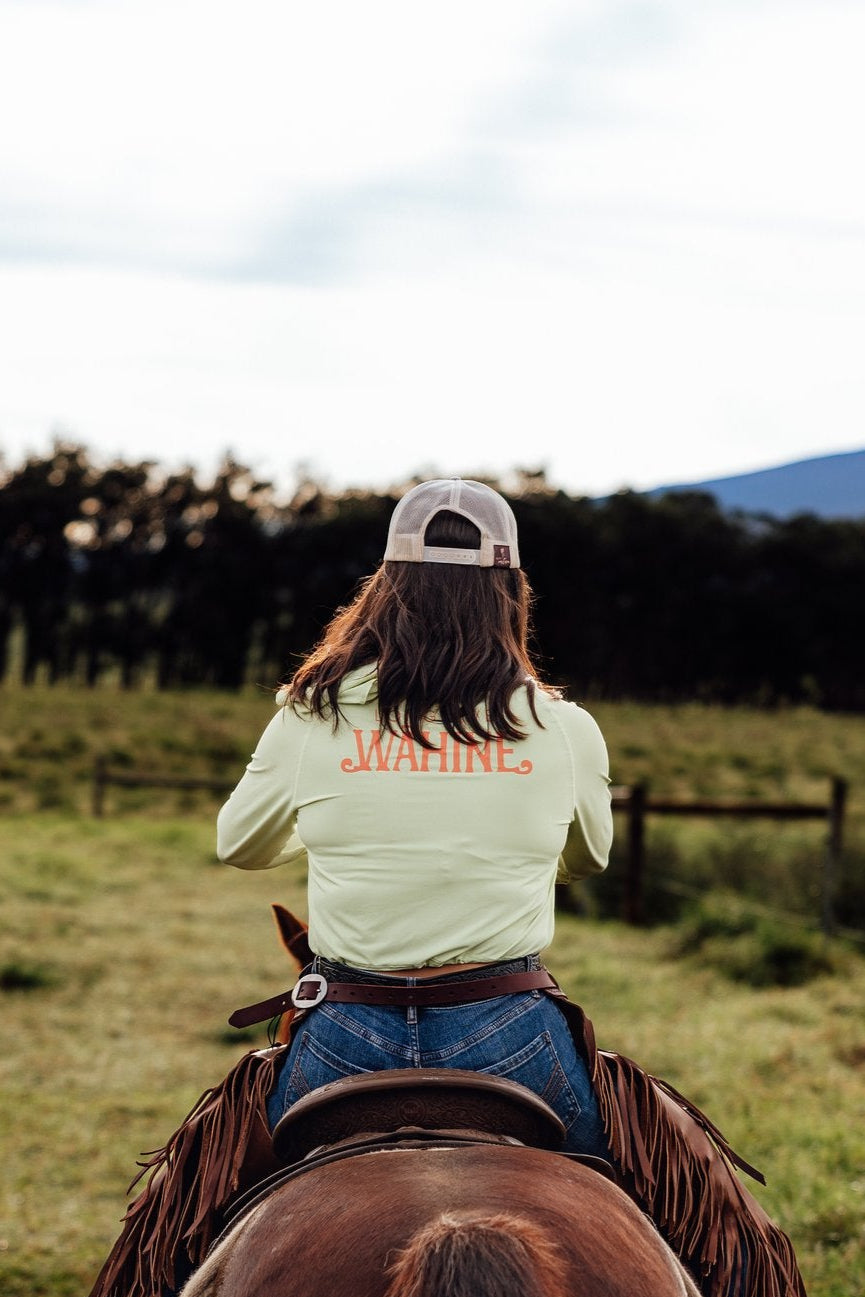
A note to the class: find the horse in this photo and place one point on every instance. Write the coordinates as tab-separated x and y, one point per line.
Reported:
475	1216
468	1220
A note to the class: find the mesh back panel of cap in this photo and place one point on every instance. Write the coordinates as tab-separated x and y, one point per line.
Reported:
415	509
489	510
485	508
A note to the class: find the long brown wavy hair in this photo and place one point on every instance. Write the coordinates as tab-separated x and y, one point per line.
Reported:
446	638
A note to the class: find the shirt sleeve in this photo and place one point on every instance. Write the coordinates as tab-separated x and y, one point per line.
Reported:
257	826
591	834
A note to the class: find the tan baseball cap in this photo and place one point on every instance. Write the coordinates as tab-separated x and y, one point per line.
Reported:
480	504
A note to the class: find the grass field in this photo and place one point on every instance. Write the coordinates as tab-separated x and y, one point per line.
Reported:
124	947
50	739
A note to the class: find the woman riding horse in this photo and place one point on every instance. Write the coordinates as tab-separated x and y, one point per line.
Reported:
431	782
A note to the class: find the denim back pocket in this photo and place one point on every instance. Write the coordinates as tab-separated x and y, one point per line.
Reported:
537	1066
315	1065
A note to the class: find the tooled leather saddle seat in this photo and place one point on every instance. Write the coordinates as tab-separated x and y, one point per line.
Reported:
407	1108
422	1100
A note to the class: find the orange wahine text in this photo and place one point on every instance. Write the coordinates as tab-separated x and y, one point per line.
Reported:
387	753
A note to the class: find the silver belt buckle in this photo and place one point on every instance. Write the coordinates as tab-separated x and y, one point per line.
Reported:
300	999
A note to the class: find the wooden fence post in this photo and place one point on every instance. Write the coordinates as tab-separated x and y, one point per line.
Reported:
832	857
100	779
636	854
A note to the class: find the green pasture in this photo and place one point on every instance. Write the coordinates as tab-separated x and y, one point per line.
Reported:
124	946
50	739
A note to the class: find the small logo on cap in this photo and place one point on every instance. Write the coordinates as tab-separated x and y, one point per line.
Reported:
501	555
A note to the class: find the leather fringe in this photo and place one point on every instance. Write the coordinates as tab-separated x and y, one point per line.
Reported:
677	1166
222	1146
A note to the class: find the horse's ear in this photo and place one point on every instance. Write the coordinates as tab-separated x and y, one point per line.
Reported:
292	934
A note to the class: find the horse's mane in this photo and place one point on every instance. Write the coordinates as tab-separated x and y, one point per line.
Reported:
478	1256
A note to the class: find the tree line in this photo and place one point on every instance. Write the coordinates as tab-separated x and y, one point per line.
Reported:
129	572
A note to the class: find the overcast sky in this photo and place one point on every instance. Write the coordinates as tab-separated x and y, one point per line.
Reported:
621	241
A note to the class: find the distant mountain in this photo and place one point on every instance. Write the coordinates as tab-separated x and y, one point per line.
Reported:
830	486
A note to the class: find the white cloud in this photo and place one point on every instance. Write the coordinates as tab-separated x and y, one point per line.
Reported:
188	118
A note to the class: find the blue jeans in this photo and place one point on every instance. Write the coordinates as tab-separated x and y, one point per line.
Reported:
523	1037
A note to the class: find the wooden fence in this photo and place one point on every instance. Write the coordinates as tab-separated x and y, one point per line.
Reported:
631	801
636	804
103	777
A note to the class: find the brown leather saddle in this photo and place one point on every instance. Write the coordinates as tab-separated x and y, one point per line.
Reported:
423	1099
408	1108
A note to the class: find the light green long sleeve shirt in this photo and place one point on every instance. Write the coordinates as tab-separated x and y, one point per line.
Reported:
415	857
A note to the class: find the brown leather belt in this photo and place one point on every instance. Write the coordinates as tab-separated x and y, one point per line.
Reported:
313	989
